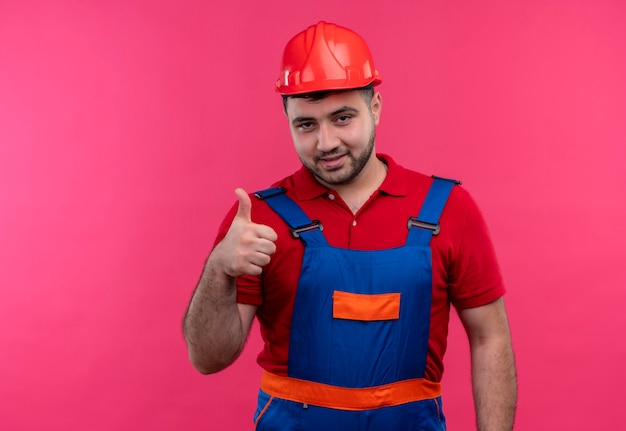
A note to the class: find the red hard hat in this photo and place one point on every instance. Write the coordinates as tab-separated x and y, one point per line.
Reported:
326	57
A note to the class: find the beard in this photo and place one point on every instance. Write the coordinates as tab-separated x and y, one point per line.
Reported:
346	173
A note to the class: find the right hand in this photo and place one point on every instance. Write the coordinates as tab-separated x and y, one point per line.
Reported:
247	246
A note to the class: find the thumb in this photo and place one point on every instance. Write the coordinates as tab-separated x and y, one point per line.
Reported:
245	205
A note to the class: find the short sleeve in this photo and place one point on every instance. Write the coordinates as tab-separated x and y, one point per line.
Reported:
475	278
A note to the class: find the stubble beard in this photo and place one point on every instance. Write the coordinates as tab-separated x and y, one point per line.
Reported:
355	165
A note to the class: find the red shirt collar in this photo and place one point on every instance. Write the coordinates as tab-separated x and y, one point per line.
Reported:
306	186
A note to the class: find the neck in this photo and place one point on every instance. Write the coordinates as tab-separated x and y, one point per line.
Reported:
358	191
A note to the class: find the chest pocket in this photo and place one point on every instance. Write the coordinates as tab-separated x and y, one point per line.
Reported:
356	306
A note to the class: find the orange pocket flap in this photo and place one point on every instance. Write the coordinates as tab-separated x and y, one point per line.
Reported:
356	306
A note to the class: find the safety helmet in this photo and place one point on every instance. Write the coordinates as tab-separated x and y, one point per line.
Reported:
326	57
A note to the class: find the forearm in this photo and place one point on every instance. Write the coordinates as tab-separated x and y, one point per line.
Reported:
494	383
213	328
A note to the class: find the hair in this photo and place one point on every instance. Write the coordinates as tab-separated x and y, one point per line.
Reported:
367	92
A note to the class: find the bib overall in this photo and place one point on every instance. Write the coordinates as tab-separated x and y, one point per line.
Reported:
359	332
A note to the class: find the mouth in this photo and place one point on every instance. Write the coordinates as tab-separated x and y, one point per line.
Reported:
332	162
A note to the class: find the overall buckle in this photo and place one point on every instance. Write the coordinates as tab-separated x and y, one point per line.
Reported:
315	224
414	222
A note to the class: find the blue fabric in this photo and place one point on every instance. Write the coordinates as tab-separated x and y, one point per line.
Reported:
431	210
293	215
274	414
357	353
353	353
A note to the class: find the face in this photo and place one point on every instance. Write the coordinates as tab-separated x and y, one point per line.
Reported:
334	137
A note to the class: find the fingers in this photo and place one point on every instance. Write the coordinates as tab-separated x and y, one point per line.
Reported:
244	212
245	205
267	233
250	255
247	246
256	262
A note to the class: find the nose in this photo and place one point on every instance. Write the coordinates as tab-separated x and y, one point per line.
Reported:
327	140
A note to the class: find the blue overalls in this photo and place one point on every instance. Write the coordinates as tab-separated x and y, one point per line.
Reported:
359	332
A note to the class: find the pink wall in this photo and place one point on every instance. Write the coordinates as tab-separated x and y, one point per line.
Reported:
125	126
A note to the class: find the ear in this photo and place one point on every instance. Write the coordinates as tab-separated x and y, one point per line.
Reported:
376	106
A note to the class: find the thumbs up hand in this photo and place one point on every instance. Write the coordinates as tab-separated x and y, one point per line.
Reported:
247	246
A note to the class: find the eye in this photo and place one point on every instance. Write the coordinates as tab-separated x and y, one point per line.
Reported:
343	119
305	126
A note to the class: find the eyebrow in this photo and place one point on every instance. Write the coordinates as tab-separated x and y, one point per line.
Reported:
341	110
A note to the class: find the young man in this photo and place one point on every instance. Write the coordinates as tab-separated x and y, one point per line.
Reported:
350	266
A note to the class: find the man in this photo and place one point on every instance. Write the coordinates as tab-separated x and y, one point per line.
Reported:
350	266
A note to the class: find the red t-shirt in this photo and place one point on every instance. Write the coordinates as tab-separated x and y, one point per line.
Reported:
465	269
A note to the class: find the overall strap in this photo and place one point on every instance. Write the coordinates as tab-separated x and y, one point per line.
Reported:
426	224
301	226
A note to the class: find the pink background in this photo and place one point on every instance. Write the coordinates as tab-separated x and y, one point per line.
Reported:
126	125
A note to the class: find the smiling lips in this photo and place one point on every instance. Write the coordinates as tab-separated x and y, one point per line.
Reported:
332	162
